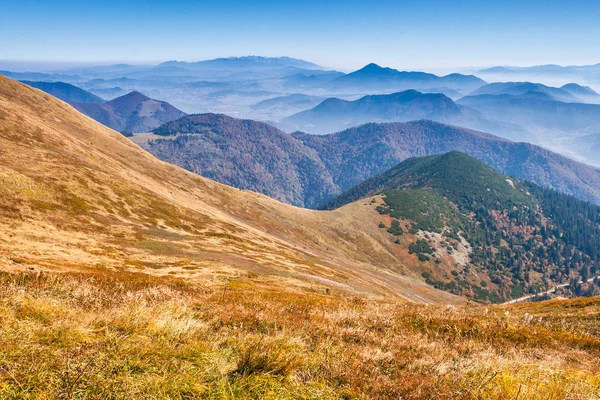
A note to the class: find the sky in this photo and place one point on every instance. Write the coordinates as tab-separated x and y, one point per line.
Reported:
429	35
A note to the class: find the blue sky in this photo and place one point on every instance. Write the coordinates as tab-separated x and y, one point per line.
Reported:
340	34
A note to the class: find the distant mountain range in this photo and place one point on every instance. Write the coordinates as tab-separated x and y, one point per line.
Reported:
538	113
40	76
65	92
238	86
221	68
570	93
584	93
544	69
246	62
310	79
279	107
132	112
461	209
334	115
375	77
551	74
307	170
519	111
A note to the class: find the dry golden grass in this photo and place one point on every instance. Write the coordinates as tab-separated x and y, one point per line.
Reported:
128	336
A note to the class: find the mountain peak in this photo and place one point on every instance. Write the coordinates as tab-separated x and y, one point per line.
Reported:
374	69
372	66
134	96
126	113
453	172
576	89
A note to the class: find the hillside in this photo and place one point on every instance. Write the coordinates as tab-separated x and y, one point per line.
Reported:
511	237
65	92
77	196
132	112
245	154
307	170
334	115
125	277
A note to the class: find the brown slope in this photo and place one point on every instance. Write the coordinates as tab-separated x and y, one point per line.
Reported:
77	195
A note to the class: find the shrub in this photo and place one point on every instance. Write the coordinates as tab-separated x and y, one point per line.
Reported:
423	257
395	229
420	246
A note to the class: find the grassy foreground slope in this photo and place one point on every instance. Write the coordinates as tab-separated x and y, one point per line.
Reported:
124	277
129	336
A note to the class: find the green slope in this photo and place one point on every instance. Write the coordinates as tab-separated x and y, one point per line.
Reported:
521	238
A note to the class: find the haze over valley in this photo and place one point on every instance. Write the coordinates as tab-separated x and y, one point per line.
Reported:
296	95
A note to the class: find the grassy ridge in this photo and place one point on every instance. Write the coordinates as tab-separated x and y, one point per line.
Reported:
130	336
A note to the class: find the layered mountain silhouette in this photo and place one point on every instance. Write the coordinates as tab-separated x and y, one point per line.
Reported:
334	114
375	77
296	100
584	93
246	62
279	107
520	88
307	170
133	112
66	92
571	72
310	79
538	113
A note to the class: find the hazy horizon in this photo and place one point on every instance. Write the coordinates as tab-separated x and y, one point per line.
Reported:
431	35
47	66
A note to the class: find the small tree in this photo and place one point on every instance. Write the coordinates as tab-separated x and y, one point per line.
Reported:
585	273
